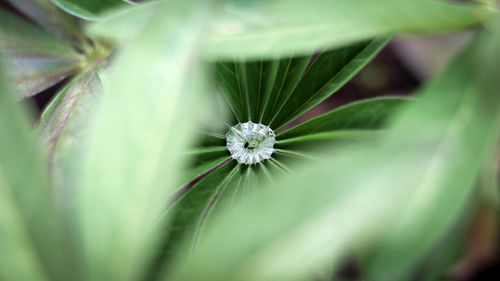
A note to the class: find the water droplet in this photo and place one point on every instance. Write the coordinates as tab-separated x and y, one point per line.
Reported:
250	143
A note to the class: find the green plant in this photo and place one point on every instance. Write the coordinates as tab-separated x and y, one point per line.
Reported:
126	186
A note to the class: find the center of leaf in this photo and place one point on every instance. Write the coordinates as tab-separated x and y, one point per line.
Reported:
250	143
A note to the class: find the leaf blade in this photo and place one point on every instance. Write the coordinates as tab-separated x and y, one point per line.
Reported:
29	221
271	28
35	58
365	114
136	142
329	71
51	18
89	9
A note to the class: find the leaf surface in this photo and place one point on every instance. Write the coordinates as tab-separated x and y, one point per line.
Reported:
404	192
71	103
191	210
51	18
62	129
280	28
36	60
327	73
254	30
462	107
89	9
362	115
253	89
33	247
137	142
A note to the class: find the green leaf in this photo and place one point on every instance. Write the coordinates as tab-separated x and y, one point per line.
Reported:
317	141
116	24
405	191
138	139
451	247
61	128
192	210
227	186
51	18
254	89
250	78
328	73
209	151
363	115
30	234
202	161
210	140
279	28
278	91
36	60
462	106
262	233
71	104
262	29
89	9
228	80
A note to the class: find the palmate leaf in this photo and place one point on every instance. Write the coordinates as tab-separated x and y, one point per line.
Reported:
89	9
51	18
248	84
137	139
36	60
276	92
195	202
33	247
254	30
258	90
328	72
366	115
417	180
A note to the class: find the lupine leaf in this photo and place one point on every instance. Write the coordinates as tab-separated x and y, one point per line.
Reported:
271	28
228	80
465	101
406	190
204	161
277	92
191	210
247	85
313	142
51	18
61	129
283	90
210	140
30	230
89	9
265	29
71	103
138	140
344	122
329	71
36	60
